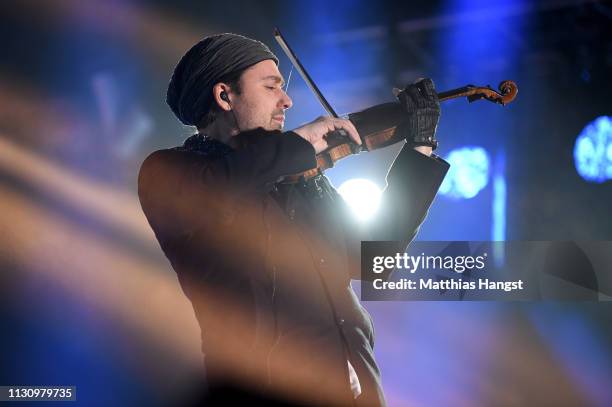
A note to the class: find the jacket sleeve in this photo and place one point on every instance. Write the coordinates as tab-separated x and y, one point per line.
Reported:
175	186
412	184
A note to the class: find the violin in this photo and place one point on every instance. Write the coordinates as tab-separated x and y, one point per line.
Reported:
377	125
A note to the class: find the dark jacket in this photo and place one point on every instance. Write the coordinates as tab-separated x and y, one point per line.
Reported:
267	265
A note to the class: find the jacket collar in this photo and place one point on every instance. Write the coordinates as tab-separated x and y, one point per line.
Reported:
201	144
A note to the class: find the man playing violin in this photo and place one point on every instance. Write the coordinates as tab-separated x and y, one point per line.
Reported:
267	263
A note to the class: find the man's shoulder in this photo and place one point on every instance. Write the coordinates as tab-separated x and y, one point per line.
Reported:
156	156
162	166
174	156
165	154
170	165
157	160
151	169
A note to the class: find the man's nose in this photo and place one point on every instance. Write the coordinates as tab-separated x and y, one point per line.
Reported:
285	101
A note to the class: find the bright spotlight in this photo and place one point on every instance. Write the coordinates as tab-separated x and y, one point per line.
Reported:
468	174
593	150
362	196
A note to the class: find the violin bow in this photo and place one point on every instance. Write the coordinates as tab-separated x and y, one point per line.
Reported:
300	68
507	89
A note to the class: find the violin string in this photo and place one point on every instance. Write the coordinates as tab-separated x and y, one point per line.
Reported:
288	79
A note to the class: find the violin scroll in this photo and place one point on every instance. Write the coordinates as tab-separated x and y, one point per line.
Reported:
507	92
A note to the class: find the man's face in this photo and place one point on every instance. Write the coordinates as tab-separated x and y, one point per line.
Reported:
262	102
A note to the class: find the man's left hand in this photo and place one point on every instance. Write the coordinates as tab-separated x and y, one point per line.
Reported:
421	103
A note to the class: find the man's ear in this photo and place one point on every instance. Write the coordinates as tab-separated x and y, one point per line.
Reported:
221	95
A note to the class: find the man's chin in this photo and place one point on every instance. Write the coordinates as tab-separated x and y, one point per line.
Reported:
275	125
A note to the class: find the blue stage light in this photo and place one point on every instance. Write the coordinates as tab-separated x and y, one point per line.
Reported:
468	174
593	150
500	194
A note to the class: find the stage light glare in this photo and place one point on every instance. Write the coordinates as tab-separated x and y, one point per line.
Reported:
468	174
362	196
593	150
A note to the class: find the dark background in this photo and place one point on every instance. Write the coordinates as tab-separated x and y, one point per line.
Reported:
89	300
